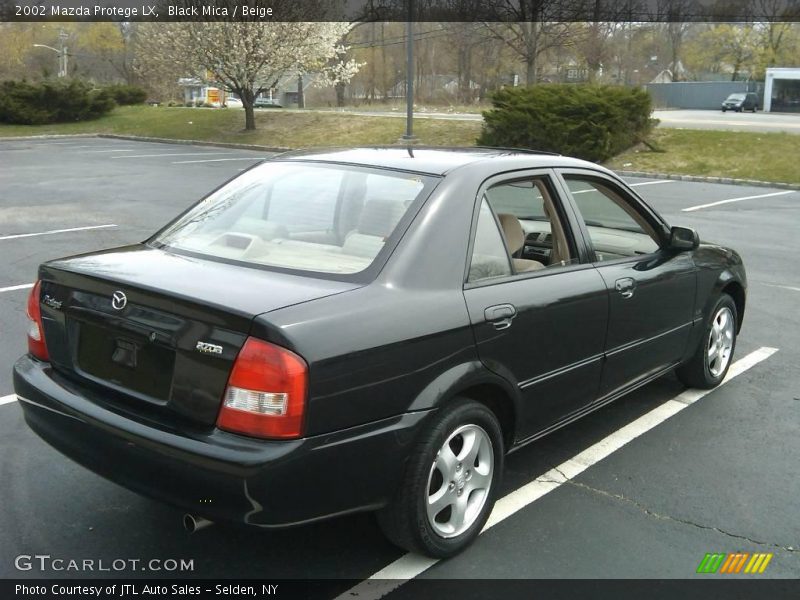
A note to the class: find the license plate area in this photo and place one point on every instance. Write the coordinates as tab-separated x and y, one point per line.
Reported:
125	361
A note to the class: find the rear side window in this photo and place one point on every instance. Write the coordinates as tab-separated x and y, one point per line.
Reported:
309	217
489	254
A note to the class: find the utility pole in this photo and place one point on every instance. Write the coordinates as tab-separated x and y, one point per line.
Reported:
62	38
409	137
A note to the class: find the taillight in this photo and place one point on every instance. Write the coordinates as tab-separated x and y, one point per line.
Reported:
266	392
36	345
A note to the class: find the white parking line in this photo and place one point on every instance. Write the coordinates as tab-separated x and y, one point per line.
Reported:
410	565
710	204
188	162
12	288
54	231
104	151
169	154
652	182
783	287
90	146
7	399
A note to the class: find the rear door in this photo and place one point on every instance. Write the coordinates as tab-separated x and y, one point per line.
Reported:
541	329
651	290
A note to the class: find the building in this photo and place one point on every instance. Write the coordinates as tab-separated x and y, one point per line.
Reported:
782	90
199	93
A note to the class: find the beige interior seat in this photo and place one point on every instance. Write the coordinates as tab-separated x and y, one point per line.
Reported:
376	223
515	239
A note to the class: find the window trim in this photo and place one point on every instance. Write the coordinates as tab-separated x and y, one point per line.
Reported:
569	222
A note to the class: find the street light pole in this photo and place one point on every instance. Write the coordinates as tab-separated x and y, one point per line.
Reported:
409	137
62	52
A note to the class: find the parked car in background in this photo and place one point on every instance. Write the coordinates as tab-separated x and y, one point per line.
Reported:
233	102
740	102
369	329
266	103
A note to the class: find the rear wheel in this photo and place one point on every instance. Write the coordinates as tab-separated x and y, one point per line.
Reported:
709	364
450	483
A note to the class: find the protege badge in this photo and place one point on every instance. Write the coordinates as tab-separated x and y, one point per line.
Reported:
207	348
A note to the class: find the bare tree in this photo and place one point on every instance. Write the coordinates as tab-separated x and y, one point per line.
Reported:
676	14
530	28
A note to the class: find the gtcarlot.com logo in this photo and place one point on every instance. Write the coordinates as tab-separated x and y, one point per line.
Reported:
734	563
46	562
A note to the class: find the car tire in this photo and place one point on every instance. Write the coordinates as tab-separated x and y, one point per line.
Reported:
724	110
710	362
437	468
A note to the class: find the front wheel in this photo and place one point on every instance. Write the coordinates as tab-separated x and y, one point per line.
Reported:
709	364
450	484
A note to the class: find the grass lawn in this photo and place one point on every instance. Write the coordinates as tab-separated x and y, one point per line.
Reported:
741	155
275	128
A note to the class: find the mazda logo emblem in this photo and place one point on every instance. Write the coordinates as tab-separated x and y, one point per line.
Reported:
119	300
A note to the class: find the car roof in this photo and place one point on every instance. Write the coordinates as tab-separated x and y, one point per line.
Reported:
436	160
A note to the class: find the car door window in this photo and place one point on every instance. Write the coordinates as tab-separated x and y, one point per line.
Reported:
615	228
534	232
489	256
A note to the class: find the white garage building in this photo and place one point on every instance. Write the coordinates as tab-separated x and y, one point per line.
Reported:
782	90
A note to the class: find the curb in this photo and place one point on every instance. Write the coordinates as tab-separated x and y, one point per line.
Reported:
139	138
47	136
701	179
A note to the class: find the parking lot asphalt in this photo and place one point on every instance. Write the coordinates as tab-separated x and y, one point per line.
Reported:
719	476
729	121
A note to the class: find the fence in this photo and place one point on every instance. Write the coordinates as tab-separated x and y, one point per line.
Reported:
699	94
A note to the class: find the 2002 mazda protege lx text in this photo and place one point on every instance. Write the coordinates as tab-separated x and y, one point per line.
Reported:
369	329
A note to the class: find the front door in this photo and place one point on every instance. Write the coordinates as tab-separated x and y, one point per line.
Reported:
651	289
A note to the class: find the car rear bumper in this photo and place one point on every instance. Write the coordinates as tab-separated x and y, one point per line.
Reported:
219	475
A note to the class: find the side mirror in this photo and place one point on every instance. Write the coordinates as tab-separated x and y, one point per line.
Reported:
683	238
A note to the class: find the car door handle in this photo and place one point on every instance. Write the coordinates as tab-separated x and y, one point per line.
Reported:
500	315
625	286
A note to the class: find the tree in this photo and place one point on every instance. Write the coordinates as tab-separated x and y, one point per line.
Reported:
676	13
530	28
246	57
776	28
723	48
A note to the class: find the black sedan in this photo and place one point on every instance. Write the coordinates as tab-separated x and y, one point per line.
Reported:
369	330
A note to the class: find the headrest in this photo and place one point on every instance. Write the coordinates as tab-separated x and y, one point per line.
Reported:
379	217
512	231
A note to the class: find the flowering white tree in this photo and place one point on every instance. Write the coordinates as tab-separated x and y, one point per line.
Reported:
247	57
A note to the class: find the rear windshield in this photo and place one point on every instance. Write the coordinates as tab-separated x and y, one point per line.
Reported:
301	216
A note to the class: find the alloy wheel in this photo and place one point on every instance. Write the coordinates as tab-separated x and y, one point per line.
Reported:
459	481
720	342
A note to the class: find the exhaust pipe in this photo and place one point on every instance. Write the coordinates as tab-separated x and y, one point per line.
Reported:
192	523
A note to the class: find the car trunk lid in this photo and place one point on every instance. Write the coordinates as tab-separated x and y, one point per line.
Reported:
158	332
